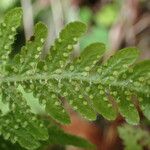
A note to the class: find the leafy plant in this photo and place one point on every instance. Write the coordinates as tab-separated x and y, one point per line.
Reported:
88	85
134	137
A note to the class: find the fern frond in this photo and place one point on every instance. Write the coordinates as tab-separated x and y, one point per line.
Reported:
19	124
8	31
134	137
7	145
67	139
85	82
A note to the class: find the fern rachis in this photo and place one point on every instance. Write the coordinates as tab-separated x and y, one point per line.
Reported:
85	82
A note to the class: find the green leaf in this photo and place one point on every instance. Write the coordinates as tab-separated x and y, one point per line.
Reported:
31	52
56	110
119	63
90	87
101	102
24	127
126	106
6	145
63	45
145	105
139	77
60	137
89	57
8	31
74	94
134	137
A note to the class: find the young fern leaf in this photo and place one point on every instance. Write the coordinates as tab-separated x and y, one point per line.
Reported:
84	82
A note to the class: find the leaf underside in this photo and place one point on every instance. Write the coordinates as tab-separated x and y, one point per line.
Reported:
89	86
